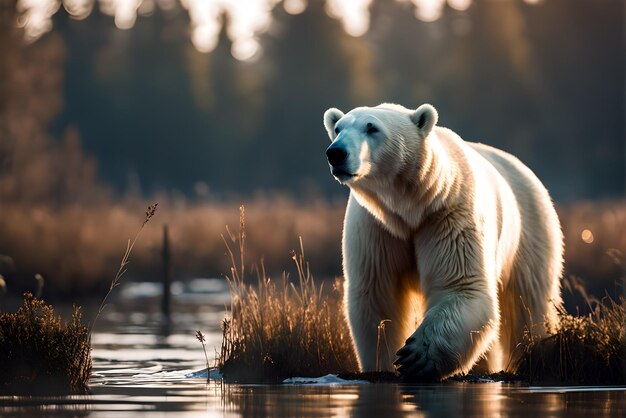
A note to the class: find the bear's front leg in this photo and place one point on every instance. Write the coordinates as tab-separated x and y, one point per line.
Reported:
453	335
461	319
375	266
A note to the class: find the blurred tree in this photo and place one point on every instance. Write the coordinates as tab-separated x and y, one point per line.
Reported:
34	167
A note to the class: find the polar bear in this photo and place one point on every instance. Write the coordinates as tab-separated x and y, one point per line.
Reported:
456	243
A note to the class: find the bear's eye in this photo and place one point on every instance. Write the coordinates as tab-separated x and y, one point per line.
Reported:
336	131
371	129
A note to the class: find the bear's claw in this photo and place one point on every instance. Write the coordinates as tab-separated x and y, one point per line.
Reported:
403	351
414	362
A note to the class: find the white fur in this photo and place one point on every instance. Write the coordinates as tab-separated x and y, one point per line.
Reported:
456	237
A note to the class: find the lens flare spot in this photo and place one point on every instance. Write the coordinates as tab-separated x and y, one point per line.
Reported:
294	7
460	5
35	16
243	20
204	37
429	10
244	49
587	236
354	15
78	9
146	8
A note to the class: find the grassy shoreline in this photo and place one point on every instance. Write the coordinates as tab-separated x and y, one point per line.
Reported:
281	330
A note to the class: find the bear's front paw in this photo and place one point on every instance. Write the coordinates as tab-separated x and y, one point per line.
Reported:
415	360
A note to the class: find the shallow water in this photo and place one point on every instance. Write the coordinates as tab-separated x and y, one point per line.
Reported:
141	369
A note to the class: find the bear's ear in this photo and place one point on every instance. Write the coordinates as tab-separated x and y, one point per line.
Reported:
425	118
331	116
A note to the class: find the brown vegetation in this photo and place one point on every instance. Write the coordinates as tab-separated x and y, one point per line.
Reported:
585	349
39	353
284	329
74	247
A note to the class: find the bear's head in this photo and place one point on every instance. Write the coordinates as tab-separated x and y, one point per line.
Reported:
375	142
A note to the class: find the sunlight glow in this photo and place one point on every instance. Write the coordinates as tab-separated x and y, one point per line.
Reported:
587	236
78	9
125	16
205	23
354	14
460	5
245	49
365	156
35	16
124	11
166	4
247	19
243	20
431	10
146	8
428	10
294	7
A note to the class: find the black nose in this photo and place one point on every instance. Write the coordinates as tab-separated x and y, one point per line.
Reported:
336	155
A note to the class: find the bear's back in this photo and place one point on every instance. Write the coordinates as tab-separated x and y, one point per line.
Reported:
525	185
540	227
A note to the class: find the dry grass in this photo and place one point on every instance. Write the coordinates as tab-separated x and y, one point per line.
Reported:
74	246
123	267
279	330
583	350
39	353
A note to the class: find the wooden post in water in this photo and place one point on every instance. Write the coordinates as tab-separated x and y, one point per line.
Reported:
167	274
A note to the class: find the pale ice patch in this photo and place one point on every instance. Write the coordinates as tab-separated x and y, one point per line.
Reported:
204	374
329	379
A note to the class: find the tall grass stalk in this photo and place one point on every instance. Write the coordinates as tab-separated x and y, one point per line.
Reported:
284	329
200	337
381	330
130	244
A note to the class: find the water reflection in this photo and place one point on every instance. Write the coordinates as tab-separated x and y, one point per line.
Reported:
243	20
447	400
176	396
141	371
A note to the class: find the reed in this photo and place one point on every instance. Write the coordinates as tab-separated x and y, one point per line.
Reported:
130	244
281	329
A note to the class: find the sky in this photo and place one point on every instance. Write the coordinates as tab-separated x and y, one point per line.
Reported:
227	100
